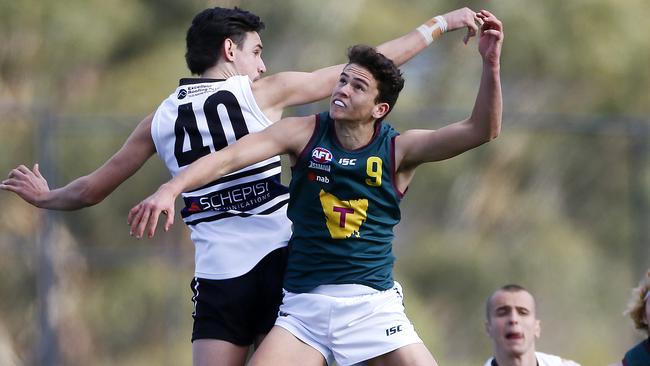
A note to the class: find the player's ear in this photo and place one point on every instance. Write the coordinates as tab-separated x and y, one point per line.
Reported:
380	110
228	49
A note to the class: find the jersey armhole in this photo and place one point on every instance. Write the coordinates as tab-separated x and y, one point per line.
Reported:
393	172
312	140
154	129
246	86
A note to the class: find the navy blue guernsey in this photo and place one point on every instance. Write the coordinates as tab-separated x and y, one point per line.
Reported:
639	355
343	206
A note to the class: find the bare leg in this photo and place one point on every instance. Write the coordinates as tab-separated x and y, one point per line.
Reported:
214	352
412	355
280	347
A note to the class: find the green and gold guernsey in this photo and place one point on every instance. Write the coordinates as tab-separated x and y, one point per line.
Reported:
343	206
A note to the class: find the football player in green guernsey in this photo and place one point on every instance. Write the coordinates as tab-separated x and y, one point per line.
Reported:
350	170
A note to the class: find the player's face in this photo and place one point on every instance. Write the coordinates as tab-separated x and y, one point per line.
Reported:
353	97
248	59
512	323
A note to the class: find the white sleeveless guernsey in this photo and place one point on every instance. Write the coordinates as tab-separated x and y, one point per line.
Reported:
544	359
241	217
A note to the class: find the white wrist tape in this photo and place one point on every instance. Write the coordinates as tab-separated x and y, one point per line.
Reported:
433	28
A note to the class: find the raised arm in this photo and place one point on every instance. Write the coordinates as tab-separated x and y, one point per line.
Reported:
287	136
276	92
90	189
415	147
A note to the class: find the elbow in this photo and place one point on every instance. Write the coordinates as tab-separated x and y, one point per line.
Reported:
488	132
494	133
494	127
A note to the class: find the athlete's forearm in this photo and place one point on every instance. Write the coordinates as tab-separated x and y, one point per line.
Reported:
486	114
487	111
401	50
73	196
93	188
404	48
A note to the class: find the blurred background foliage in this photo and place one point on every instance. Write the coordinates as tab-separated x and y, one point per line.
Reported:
559	203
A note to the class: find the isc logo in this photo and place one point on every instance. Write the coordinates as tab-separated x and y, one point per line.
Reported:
346	161
393	330
320	155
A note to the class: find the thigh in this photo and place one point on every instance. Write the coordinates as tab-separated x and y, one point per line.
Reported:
415	354
280	347
214	352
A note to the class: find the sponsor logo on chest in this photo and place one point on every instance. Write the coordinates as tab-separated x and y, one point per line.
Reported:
321	159
346	161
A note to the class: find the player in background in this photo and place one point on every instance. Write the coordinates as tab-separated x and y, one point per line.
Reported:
514	328
639	311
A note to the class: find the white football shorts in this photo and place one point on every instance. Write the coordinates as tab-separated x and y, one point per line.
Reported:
348	323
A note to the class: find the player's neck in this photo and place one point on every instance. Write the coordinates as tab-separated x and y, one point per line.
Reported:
354	134
527	359
219	71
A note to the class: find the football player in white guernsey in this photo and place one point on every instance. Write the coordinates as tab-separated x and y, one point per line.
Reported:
238	223
513	326
330	312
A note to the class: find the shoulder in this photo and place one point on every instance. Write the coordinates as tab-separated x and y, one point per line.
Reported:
641	348
267	89
545	359
489	361
242	80
388	129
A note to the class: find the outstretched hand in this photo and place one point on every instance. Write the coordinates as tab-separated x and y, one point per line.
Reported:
491	38
144	216
28	184
461	18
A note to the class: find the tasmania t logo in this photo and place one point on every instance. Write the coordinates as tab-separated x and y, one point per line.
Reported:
343	211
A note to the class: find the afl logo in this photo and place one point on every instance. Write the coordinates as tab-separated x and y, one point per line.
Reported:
321	156
182	94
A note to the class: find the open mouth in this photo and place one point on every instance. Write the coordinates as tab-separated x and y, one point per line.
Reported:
513	336
338	103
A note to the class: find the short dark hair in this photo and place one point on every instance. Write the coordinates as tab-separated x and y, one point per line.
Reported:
209	30
389	78
506	288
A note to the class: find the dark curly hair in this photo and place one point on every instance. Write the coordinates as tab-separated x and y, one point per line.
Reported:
389	78
209	30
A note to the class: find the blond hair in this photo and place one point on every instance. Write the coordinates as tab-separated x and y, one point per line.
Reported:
636	306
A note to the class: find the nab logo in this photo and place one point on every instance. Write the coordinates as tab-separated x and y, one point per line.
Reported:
322	179
392	330
182	94
321	156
